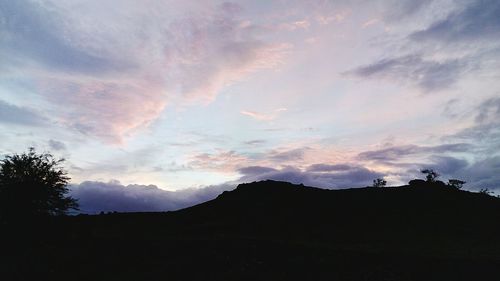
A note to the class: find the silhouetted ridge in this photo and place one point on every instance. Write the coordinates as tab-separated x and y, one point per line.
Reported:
365	214
272	230
264	189
417	195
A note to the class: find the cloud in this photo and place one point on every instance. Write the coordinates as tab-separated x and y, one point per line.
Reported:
479	20
107	85
225	161
263	116
429	75
400	9
448	165
255	142
231	160
288	155
213	51
398	152
328	167
334	17
370	22
483	173
103	109
33	31
94	197
256	170
353	176
18	115
485	128
488	111
481	133
56	145
256	115
301	24
457	39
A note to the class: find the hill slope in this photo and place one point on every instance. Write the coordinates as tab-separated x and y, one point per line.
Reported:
278	231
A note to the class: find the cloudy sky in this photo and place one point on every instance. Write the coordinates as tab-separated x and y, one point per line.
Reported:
159	102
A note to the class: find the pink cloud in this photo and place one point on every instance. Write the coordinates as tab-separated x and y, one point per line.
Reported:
222	161
104	109
180	61
370	22
213	52
327	19
291	26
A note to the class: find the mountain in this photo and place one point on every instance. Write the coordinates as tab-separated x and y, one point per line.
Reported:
273	230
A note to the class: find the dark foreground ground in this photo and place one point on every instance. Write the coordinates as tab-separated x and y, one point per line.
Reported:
272	231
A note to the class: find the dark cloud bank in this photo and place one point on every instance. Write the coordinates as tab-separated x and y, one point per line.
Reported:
95	197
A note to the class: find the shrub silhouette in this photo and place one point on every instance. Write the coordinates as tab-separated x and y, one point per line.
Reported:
485	191
379	182
33	185
458	184
431	175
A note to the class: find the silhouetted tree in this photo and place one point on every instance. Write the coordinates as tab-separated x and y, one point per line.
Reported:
379	182
485	191
456	183
33	185
431	175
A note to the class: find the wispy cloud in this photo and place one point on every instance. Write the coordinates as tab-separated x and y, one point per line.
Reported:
370	22
484	129
429	75
449	46
19	115
222	161
477	21
398	152
255	142
107	85
56	145
263	116
300	24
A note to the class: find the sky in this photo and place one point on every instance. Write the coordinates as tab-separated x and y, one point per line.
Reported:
156	105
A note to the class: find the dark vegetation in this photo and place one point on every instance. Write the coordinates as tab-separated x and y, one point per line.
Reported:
33	186
269	230
379	183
